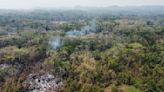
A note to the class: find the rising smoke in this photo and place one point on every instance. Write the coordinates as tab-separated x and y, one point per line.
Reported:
56	42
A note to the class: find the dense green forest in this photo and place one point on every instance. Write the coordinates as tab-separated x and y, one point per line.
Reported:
78	51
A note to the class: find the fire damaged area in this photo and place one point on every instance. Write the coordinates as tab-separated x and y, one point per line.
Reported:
42	83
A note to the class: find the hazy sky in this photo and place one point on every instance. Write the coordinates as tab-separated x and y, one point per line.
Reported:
27	4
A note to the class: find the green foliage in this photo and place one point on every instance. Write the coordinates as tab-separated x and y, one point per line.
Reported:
125	55
129	89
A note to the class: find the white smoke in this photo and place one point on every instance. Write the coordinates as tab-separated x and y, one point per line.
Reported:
91	28
55	42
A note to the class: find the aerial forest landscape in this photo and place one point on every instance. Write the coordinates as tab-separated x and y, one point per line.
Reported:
82	47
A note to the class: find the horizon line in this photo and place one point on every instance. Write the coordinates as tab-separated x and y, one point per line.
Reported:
76	6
